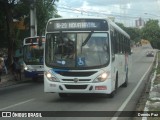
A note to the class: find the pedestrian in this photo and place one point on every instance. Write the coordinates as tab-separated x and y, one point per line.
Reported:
5	64
17	65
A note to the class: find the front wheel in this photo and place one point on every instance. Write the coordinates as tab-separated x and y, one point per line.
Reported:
115	90
112	94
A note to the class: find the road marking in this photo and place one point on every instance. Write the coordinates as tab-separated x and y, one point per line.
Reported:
20	103
121	108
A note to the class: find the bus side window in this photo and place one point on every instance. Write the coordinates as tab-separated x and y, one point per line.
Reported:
113	45
116	42
121	43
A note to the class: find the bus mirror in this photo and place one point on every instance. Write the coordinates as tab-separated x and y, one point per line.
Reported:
131	51
113	57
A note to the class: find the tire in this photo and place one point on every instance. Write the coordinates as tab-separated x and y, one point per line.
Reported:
115	90
125	84
112	94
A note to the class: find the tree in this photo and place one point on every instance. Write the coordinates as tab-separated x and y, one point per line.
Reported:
16	9
151	32
45	11
7	7
3	28
133	32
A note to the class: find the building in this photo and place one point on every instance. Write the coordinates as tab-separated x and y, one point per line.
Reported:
140	23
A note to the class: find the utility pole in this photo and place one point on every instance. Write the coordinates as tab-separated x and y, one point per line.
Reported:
33	19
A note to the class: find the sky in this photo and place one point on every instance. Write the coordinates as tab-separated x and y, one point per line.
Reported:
123	11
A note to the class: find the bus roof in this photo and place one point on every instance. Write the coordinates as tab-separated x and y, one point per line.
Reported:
34	37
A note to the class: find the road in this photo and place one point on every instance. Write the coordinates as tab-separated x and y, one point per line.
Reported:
30	96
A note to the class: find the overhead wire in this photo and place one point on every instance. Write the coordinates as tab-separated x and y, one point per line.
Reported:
99	13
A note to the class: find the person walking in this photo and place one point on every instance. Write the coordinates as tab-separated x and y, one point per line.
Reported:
5	64
17	64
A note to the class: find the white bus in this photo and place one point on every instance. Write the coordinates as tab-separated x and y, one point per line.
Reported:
33	51
85	55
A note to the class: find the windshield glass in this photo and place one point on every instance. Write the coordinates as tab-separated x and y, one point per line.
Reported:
33	54
77	50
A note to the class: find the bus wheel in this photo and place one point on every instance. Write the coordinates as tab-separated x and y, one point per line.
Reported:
125	84
115	90
63	95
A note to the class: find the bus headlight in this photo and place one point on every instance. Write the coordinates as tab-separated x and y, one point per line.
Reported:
25	68
102	77
51	77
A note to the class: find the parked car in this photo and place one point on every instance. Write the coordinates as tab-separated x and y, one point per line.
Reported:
150	54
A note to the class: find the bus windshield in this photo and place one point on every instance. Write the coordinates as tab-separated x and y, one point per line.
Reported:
33	54
77	50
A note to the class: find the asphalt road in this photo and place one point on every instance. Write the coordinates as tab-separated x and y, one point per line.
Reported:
30	96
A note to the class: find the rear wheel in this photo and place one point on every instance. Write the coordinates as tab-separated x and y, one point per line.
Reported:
125	84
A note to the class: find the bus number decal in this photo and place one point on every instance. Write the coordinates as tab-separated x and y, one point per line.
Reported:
81	61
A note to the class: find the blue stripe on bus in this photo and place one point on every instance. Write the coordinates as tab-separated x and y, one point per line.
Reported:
59	70
33	74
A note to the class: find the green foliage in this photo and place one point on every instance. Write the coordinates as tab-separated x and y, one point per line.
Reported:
45	11
11	37
151	32
133	32
21	10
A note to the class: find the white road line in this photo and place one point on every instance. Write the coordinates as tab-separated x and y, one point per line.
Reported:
130	96
20	103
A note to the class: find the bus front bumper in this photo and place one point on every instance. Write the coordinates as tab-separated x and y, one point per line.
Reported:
59	87
33	74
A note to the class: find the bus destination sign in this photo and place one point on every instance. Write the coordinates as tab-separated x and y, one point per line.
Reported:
34	40
76	25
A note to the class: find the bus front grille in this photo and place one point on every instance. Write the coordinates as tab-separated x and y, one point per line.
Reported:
76	86
72	80
76	74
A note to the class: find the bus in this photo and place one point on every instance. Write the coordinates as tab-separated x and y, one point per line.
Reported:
85	55
33	51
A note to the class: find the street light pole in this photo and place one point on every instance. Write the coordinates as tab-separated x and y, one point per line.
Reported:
33	20
158	17
152	14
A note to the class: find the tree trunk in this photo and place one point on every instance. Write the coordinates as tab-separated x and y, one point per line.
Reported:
10	32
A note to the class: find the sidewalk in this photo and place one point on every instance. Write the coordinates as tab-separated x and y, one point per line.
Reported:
8	80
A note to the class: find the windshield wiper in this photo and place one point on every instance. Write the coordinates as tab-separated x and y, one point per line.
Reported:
85	42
